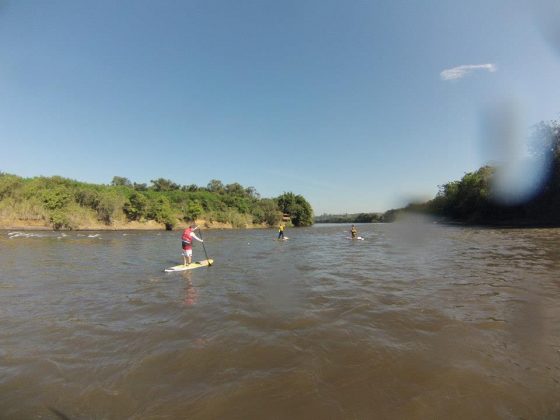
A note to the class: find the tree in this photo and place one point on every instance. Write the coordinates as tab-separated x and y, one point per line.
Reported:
286	201
300	211
110	205
9	184
64	202
190	188
193	210
467	199
59	219
55	201
235	189
267	212
215	186
87	197
119	181
545	139
140	187
252	192
56	198
162	184
136	206
159	209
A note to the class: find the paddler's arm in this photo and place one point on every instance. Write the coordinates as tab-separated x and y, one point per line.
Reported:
196	237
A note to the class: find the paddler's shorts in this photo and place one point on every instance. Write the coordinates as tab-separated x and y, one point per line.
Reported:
187	253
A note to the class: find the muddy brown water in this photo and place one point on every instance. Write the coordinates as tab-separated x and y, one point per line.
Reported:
417	321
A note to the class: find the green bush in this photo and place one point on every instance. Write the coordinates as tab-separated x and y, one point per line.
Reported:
9	185
56	199
300	211
159	209
136	206
59	219
110	206
192	211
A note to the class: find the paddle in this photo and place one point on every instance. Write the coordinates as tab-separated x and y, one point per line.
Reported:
203	247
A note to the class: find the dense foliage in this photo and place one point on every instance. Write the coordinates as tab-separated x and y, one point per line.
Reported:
69	204
300	211
392	215
473	198
349	218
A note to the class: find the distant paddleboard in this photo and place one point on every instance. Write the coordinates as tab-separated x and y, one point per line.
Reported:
359	238
191	266
283	239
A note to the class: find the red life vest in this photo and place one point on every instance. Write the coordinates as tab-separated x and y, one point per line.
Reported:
187	236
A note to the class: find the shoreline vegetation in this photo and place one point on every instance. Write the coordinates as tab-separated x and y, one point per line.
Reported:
507	195
61	203
350	218
57	203
478	200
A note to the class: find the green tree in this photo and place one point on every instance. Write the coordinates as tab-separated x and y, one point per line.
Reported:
159	209
140	187
193	211
300	211
267	212
55	201
190	188
252	192
215	186
9	184
87	197
162	184
136	206
110	206
63	202
467	199
235	189
59	219
119	181
56	198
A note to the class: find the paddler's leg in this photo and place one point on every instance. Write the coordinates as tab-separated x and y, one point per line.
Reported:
189	255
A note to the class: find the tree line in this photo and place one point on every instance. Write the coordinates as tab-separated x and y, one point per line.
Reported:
66	204
350	218
474	198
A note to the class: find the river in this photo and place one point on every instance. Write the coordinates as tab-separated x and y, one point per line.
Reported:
417	321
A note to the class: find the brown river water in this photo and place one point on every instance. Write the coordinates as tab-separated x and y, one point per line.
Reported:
418	321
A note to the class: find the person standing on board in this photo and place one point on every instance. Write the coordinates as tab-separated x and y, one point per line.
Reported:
354	232
186	242
281	231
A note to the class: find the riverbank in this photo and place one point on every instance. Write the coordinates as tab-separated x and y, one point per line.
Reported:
94	225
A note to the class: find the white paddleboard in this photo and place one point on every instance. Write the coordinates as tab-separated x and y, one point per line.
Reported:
191	266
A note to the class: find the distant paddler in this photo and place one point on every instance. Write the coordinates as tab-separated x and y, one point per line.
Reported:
281	231
354	232
187	241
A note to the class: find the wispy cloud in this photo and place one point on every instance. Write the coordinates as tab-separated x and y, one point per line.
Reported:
461	71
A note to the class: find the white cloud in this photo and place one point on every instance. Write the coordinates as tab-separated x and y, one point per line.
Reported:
461	71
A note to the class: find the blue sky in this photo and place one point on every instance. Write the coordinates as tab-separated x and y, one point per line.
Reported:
357	105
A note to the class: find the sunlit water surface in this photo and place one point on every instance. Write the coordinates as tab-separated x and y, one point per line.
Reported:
417	321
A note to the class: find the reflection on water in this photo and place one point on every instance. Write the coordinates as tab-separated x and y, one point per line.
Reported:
191	293
417	321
